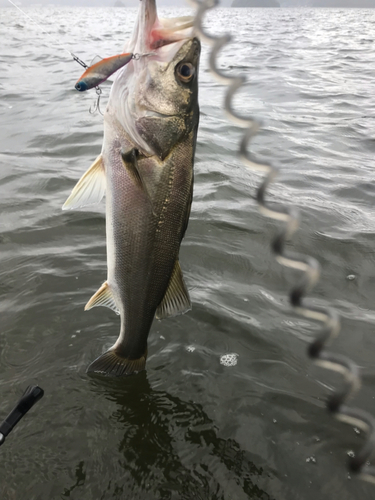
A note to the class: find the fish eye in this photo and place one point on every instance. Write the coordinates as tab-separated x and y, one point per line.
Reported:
185	71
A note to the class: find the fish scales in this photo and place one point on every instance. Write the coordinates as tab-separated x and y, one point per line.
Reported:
146	170
146	244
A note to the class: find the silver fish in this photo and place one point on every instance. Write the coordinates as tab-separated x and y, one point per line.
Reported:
146	169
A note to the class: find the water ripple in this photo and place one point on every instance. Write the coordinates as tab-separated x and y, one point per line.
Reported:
191	427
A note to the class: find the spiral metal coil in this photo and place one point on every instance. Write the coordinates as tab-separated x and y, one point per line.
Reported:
307	265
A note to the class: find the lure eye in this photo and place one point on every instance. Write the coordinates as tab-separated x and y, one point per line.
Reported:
81	86
185	72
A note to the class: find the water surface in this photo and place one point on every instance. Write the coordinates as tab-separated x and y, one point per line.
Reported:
190	427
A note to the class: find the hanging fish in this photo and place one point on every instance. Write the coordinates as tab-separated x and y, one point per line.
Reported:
99	72
146	170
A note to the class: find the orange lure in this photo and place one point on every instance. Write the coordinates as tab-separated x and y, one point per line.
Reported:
99	72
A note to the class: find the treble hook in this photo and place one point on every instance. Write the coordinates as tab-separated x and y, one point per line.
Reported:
96	106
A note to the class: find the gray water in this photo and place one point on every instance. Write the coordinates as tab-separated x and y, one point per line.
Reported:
189	427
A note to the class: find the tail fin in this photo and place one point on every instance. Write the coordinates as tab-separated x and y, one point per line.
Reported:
112	364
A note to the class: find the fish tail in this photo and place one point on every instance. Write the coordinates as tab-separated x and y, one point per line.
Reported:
113	364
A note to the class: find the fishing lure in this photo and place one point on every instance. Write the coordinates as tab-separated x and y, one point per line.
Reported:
308	265
102	70
105	65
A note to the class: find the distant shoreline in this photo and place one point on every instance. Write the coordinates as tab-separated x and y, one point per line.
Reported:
8	5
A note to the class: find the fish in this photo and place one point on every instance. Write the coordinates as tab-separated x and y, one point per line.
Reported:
146	170
101	71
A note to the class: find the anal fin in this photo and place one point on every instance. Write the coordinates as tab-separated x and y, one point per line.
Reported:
112	364
103	297
176	299
90	188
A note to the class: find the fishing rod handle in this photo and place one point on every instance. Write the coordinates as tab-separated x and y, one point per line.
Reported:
31	396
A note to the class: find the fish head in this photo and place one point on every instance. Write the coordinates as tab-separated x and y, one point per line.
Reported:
155	97
168	98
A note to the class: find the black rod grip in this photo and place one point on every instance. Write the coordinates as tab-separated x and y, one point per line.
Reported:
27	401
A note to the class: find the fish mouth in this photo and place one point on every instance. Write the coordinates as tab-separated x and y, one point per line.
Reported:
151	33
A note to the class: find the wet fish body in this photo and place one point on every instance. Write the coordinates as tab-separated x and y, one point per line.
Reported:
146	168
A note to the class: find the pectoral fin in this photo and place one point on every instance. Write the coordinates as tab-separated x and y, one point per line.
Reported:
176	299
103	297
130	161
90	188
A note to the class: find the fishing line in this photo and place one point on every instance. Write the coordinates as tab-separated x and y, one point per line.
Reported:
96	106
48	34
309	266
